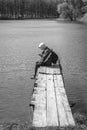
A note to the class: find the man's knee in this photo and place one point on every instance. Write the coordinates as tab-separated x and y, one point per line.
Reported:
38	64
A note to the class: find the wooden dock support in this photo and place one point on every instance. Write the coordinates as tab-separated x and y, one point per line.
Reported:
49	100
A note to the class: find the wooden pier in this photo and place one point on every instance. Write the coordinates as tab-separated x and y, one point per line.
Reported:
49	100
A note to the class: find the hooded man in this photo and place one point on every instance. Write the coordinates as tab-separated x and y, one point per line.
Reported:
47	57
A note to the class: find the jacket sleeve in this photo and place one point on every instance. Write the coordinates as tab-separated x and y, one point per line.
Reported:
45	55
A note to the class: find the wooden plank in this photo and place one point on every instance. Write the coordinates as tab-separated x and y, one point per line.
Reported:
56	71
38	90
39	97
52	118
39	115
60	107
42	69
53	71
65	100
50	100
41	80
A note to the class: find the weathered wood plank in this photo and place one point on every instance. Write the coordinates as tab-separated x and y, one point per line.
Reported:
52	118
41	80
39	96
39	117
53	71
65	100
50	100
42	69
60	107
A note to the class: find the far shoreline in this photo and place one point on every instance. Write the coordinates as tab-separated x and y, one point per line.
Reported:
61	20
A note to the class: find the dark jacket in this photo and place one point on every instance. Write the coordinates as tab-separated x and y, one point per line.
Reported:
47	57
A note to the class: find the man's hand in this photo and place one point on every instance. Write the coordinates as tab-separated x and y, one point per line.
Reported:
40	55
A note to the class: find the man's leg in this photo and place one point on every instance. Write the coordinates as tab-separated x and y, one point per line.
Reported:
38	64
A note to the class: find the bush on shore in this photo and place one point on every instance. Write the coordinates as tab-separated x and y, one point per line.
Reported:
84	18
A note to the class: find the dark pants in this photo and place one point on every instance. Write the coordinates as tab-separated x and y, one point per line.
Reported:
38	64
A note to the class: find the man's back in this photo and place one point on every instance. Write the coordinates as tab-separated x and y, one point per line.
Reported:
49	57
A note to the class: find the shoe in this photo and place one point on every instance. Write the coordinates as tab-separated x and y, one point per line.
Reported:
33	77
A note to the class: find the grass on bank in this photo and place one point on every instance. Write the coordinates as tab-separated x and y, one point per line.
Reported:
80	121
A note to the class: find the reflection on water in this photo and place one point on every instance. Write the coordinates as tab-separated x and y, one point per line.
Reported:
18	53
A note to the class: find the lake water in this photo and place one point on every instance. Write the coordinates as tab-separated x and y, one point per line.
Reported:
18	53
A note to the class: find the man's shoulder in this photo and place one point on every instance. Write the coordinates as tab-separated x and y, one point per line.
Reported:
48	49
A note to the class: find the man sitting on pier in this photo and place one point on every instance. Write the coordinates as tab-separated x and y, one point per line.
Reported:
48	57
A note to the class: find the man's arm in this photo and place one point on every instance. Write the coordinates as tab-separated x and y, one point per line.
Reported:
45	55
40	55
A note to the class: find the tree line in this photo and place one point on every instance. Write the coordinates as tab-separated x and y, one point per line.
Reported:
27	9
22	9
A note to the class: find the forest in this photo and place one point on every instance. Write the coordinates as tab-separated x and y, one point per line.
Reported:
25	9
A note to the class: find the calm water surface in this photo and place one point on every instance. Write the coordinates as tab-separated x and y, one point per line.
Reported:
18	52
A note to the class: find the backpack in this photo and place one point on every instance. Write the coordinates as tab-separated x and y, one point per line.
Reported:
54	57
